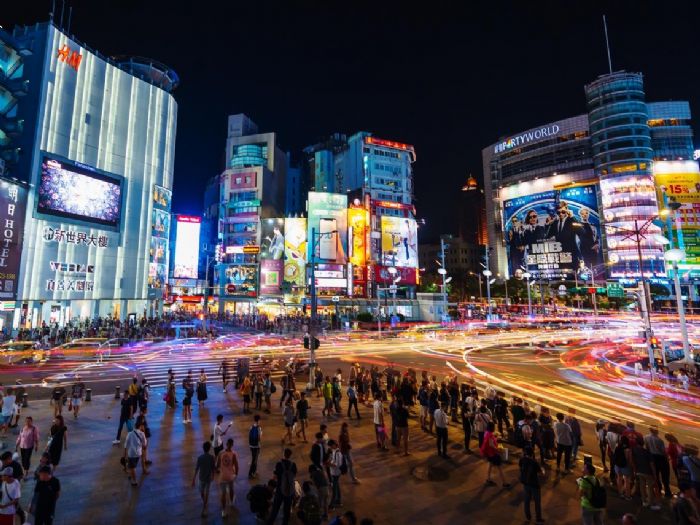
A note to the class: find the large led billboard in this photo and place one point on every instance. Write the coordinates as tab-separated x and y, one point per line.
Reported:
77	191
295	251
13	205
679	181
328	221
554	233
238	280
187	247
272	239
358	228
399	242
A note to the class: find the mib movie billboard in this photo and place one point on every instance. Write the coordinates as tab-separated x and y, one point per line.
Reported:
554	233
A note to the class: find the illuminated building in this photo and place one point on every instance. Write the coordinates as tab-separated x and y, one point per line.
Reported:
608	151
98	134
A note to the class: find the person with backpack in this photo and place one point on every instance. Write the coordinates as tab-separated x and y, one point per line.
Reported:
285	475
254	437
336	465
309	507
592	496
623	469
530	471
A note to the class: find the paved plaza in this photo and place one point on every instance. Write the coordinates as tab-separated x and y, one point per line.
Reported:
393	490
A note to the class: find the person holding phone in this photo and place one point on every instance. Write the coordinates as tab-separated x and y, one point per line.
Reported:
219	433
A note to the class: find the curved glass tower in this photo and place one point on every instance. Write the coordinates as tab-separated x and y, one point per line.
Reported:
622	158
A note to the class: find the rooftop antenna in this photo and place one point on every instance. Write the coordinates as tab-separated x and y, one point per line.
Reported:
63	6
607	43
53	9
70	15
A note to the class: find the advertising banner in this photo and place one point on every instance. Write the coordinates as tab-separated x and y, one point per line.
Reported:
238	280
162	198
399	242
679	181
13	206
408	275
187	247
329	219
271	276
295	251
156	275
272	239
553	233
160	224
358	222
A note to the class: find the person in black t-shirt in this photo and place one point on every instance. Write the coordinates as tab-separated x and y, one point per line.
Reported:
529	476
46	493
126	413
402	426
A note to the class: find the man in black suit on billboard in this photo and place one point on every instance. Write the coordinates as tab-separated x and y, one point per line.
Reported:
562	230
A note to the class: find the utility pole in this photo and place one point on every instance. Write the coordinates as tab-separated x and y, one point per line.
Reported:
487	273
443	273
312	319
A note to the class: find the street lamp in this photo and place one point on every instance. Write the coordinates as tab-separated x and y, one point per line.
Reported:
674	256
487	273
443	273
393	271
527	276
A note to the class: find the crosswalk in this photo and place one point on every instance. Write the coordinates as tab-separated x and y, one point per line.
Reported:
155	368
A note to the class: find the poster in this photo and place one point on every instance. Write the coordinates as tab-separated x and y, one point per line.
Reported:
272	239
295	251
160	224
271	276
156	275
238	280
358	223
553	233
162	197
399	242
158	250
328	218
679	181
13	205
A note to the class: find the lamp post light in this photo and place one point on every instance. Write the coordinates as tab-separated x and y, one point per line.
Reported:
487	273
393	271
443	274
674	256
527	276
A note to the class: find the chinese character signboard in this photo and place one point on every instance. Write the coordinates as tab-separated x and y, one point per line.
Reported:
553	233
13	205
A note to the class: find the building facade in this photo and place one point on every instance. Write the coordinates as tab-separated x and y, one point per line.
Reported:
551	189
97	147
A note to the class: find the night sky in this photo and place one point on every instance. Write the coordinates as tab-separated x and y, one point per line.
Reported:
447	79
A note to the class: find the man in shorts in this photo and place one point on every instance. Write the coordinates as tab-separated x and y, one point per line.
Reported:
205	469
227	465
133	449
77	393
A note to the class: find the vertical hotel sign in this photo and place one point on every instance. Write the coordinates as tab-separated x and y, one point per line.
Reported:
13	207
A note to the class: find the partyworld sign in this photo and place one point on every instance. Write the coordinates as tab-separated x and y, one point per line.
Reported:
528	136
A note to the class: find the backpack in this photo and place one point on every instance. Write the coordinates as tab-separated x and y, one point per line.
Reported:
273	388
619	459
599	497
254	436
518	436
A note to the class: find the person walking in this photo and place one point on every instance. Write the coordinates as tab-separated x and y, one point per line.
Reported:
27	441
335	463
588	486
246	392
423	403
202	387
57	399
227	466
258	391
601	432
327	390
346	450
223	370
205	468
352	400
530	471
302	415
337	394
441	421
288	417
46	493
76	397
188	387
657	448
133	449
126	413
489	449
402	426
644	473
58	441
143	396
576	434
219	433
268	389
10	493
481	420
285	475
565	441
254	437
467	424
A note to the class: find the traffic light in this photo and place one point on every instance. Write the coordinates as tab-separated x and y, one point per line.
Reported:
317	343
654	342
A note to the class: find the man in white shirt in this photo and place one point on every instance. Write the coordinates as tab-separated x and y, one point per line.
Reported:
441	422
133	449
379	428
9	499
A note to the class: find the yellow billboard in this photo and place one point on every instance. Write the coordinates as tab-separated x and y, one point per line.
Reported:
399	242
295	251
358	222
677	181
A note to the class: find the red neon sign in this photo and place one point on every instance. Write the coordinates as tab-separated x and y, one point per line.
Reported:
188	218
388	143
72	58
